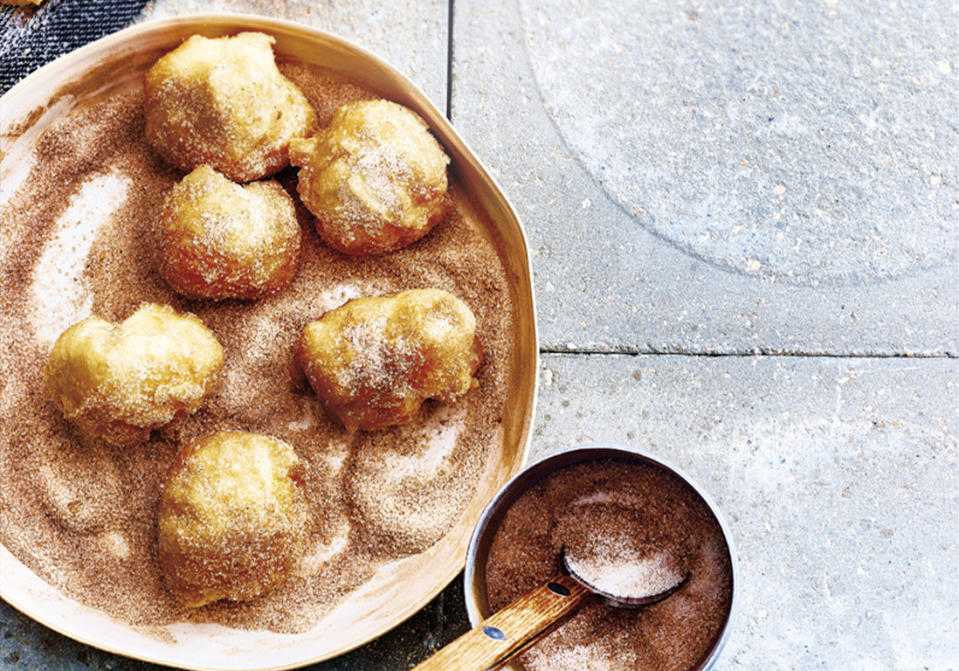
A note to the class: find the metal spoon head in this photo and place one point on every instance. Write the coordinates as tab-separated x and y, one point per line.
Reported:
654	588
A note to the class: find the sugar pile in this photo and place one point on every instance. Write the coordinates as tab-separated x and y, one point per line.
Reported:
618	549
77	237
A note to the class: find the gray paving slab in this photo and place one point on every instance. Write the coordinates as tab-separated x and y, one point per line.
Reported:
725	177
839	478
410	34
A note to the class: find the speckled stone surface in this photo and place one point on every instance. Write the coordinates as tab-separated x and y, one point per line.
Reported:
725	177
730	178
837	476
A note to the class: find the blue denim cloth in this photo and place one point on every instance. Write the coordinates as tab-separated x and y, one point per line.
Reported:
32	36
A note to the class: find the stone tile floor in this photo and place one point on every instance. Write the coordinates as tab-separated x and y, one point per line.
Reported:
743	219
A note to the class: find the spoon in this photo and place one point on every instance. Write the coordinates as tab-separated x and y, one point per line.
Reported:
519	625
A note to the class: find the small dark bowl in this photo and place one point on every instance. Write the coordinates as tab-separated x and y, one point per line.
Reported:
477	604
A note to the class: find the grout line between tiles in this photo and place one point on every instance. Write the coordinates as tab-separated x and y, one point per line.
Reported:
758	352
449	60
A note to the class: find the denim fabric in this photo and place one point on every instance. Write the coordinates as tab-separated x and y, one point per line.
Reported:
32	36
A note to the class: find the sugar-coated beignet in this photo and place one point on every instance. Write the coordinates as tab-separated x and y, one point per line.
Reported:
218	239
375	178
373	361
232	518
223	101
118	382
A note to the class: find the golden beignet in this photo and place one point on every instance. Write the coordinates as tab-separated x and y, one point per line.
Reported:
375	178
373	361
118	382
218	239
223	101
232	518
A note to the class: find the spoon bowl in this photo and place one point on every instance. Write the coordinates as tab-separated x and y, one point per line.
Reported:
662	587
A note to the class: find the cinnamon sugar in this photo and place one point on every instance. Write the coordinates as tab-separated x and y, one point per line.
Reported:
638	557
82	515
628	511
378	364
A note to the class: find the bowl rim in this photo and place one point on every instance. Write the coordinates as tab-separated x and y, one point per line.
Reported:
534	472
238	22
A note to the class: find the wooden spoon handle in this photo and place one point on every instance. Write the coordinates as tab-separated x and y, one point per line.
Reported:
512	629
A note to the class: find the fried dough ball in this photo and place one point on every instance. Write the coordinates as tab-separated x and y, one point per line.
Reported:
232	518
375	178
223	102
218	239
118	382
373	361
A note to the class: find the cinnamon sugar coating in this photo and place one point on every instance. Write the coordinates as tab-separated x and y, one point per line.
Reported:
232	519
374	177
219	240
373	361
223	101
83	515
118	382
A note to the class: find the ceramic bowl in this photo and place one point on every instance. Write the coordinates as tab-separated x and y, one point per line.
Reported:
399	589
